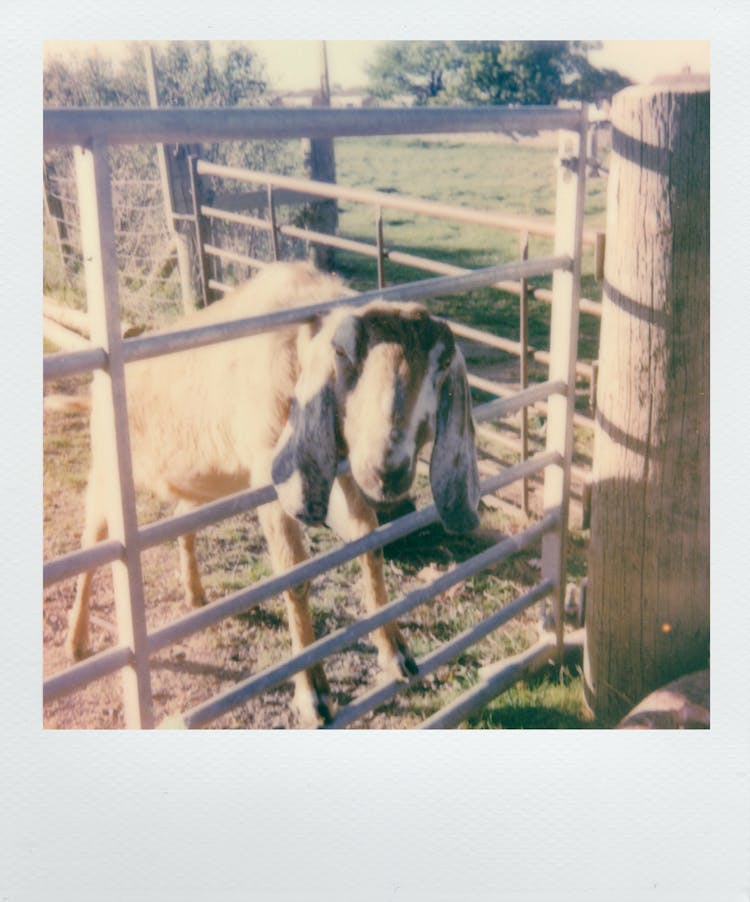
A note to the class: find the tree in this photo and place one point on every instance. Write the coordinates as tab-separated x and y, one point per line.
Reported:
189	74
490	72
420	69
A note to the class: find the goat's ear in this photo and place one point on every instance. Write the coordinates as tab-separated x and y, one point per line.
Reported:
305	459
454	476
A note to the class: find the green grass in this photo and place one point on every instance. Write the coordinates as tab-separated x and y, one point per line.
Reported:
509	178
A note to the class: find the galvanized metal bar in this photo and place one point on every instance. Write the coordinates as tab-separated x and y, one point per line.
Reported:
180	340
380	247
73	363
441	656
566	290
230	506
485	338
175	125
211	250
85	672
523	340
478	697
503	407
340	639
79	561
324	238
273	227
108	394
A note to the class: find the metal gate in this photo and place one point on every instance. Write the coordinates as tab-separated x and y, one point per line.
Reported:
92	132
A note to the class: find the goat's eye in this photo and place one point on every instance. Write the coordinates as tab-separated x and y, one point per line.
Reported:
444	364
341	354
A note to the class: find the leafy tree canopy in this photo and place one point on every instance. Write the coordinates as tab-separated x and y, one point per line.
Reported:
188	74
490	72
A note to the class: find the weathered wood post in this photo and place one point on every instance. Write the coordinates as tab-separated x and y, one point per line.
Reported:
647	617
320	165
180	203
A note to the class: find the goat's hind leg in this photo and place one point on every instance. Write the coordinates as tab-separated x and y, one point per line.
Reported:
351	517
195	596
284	537
94	530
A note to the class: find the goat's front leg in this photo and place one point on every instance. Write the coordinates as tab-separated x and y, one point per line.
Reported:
284	537
352	517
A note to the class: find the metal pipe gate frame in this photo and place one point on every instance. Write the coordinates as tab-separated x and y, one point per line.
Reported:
91	132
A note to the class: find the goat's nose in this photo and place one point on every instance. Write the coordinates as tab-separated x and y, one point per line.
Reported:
395	479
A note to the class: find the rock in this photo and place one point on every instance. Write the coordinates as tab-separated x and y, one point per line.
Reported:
684	704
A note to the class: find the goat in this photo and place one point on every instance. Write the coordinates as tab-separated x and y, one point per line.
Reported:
373	384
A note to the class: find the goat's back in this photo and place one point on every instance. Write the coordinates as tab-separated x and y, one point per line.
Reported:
200	418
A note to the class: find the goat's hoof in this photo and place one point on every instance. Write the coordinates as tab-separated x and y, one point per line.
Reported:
76	648
312	699
398	663
394	656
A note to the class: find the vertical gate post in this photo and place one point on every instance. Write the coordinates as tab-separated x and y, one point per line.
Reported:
566	290
379	245
272	223
523	338
647	617
109	402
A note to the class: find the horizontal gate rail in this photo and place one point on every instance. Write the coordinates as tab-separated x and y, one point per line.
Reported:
202	714
501	677
468	215
65	364
174	126
245	599
83	559
476	698
84	672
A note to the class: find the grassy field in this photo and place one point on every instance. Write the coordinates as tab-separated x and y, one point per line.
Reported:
512	177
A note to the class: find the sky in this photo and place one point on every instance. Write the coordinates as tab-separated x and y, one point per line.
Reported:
295	65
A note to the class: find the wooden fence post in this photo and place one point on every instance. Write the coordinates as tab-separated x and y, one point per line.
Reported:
647	617
320	165
56	215
181	241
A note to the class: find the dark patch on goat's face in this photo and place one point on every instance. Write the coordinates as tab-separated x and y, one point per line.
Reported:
304	466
